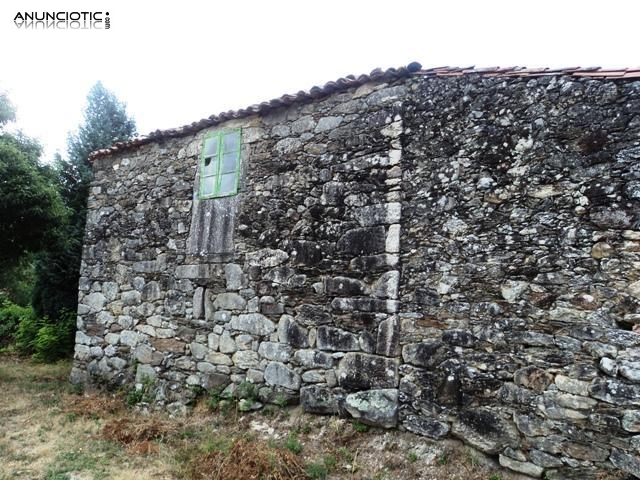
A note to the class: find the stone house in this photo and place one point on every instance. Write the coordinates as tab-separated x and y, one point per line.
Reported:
454	252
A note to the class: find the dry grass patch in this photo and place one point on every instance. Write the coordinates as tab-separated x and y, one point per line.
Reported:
246	460
52	433
129	431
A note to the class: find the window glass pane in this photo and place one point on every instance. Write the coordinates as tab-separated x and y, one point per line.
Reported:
229	161
210	166
208	185
227	183
231	141
211	147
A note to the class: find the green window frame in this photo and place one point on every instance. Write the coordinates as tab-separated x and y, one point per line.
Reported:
220	164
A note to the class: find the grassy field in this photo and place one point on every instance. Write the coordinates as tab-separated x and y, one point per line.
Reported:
51	432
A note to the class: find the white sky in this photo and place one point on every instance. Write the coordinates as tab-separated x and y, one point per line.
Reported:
176	62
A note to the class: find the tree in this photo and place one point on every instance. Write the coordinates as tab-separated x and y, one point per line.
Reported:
105	123
7	110
31	209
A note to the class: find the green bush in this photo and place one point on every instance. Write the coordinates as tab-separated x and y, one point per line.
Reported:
55	341
27	332
10	315
45	340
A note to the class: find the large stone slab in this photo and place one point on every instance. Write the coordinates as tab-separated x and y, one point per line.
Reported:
321	399
485	430
254	323
279	374
374	407
361	371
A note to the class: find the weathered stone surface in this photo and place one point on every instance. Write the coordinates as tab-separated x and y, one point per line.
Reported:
229	301
267	257
246	359
254	323
280	352
279	374
544	459
291	333
198	350
570	385
459	338
335	339
312	315
426	427
374	407
314	376
615	392
313	359
425	354
344	286
387	285
233	276
533	378
625	462
631	420
475	235
485	430
95	301
629	370
523	467
221	359
388	337
360	371
320	399
168	345
363	241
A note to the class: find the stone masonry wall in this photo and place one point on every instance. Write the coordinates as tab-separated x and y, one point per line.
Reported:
453	256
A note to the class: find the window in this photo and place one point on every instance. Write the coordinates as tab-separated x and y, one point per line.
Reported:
220	164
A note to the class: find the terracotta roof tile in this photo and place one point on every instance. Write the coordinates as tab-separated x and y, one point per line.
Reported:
349	81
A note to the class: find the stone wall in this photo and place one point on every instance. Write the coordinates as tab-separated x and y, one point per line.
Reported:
453	256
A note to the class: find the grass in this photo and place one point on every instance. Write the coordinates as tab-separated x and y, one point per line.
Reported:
53	431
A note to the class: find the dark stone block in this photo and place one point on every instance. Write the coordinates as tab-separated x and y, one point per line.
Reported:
615	392
363	241
373	263
312	315
426	427
336	340
344	286
426	354
306	252
459	338
361	371
319	399
215	380
485	430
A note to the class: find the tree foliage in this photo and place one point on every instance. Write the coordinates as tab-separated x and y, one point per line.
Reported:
32	213
31	210
105	123
7	110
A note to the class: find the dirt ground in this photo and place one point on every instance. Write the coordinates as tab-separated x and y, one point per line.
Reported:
51	432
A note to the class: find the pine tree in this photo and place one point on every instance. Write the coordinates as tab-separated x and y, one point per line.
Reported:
105	123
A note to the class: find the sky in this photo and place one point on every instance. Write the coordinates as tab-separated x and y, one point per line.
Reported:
173	63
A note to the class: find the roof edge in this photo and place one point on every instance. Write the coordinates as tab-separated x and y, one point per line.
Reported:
315	92
350	81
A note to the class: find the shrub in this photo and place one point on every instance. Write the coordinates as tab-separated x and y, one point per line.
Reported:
55	341
45	340
27	331
10	317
